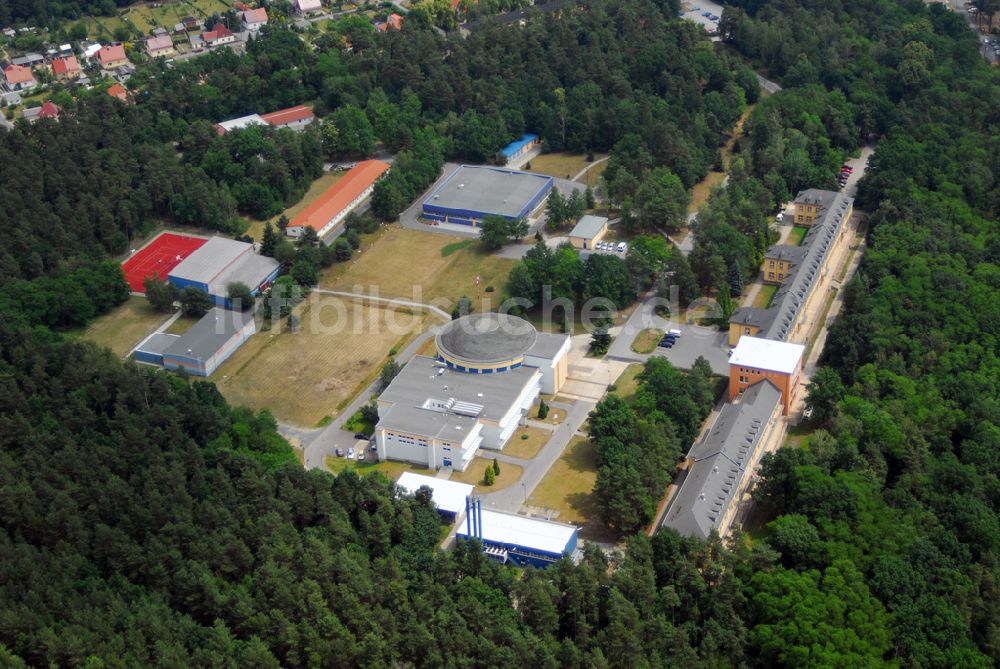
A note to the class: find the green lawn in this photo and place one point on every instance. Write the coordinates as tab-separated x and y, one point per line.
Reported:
797	234
646	341
568	486
764	296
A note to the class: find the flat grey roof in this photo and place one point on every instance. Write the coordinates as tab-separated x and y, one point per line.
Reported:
157	343
490	190
251	269
588	226
486	337
424	378
209	334
208	261
721	460
547	345
428	423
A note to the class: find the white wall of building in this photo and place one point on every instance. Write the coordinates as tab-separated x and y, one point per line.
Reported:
431	453
297	231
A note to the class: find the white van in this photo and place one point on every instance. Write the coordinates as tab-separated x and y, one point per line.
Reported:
621	247
675	333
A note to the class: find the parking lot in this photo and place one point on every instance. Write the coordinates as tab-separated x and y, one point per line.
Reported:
695	11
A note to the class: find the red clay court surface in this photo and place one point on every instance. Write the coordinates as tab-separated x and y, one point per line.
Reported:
159	257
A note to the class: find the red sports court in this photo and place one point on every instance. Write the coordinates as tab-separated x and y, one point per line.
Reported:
159	257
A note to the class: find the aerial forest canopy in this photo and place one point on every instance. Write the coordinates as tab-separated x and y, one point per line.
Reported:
145	523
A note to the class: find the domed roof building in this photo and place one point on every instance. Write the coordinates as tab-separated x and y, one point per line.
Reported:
489	370
485	343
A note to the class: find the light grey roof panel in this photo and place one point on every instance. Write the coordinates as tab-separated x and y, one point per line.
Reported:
488	189
209	334
251	269
206	263
157	343
424	378
547	345
588	226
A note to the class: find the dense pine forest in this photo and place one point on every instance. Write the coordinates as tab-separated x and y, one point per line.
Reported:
145	523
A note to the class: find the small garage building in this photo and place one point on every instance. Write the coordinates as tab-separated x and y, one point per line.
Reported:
588	231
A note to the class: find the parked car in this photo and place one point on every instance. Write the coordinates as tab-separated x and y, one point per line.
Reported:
780	217
359	435
350	453
340	452
622	247
361	454
674	333
706	14
807	413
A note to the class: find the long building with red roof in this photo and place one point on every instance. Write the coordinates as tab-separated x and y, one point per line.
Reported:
330	208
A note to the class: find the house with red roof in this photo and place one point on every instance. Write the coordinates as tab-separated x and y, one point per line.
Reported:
160	46
118	92
18	78
47	110
218	36
254	19
350	192
66	68
394	21
111	57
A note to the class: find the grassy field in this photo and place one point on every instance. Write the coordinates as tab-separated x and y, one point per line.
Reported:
391	469
568	486
561	165
764	296
146	17
646	341
422	266
509	475
181	325
125	326
796	235
628	382
554	417
303	377
327	179
526	442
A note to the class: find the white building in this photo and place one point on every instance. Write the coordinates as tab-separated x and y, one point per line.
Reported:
489	370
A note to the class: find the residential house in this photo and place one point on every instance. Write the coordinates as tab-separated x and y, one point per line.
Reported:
304	7
160	46
47	110
191	23
218	36
118	92
394	21
253	19
112	57
66	68
18	78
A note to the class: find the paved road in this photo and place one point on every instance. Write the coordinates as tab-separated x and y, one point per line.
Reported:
695	341
513	497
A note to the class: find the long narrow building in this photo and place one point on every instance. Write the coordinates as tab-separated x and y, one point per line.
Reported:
801	272
720	465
